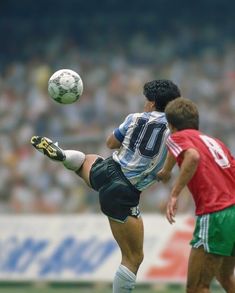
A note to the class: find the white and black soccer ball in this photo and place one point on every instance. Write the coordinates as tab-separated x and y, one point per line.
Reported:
65	86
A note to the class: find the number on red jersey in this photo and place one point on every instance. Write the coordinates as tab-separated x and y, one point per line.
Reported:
216	151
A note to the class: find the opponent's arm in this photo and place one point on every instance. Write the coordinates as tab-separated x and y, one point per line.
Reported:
165	173
188	168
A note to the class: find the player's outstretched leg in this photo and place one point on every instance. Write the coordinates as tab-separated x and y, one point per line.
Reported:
72	160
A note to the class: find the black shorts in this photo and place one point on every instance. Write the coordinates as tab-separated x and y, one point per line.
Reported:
118	197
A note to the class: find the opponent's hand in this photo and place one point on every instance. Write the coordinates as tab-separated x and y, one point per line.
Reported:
164	176
171	209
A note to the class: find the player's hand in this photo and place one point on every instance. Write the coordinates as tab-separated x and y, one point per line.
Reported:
171	209
164	176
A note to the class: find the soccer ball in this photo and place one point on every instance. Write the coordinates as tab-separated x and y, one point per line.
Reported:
65	86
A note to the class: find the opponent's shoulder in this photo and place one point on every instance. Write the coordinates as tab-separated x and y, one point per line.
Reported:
180	141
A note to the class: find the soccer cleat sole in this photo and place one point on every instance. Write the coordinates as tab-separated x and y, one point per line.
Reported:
48	148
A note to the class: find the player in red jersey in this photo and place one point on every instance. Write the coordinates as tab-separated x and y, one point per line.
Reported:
208	169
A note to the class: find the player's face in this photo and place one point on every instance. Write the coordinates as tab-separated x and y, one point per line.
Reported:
149	106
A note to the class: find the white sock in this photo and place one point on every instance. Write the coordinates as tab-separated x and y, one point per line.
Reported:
124	280
74	159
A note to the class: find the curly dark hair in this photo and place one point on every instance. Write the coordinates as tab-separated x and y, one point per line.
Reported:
161	91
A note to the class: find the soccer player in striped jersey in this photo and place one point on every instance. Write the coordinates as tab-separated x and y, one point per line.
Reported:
208	169
140	151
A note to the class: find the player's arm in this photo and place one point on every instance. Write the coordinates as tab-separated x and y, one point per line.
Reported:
165	173
188	168
112	142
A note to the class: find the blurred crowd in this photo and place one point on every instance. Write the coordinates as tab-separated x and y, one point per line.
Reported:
113	79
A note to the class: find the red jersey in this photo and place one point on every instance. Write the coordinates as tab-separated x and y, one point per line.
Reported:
213	184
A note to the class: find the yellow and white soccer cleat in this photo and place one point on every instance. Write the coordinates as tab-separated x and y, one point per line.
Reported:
48	148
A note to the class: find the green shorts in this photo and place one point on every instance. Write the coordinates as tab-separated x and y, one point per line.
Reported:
216	232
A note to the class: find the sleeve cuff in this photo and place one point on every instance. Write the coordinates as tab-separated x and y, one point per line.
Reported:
118	135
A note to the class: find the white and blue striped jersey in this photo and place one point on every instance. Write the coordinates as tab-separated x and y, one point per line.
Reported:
143	150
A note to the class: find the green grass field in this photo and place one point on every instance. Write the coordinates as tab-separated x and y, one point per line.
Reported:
88	289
